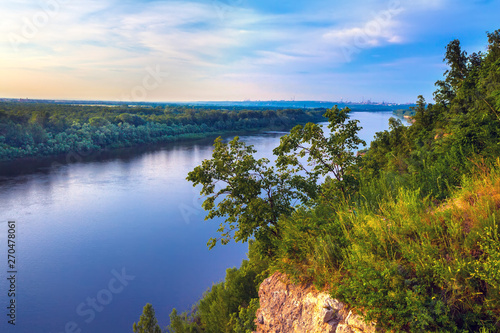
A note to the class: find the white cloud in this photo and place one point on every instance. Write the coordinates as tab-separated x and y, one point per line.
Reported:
382	28
202	45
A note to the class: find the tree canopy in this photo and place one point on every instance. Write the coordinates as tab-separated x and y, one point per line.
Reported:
147	322
42	129
252	196
247	192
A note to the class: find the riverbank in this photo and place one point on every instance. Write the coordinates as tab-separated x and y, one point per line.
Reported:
27	165
34	131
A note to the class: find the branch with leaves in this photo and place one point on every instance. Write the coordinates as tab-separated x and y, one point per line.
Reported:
309	150
248	193
252	196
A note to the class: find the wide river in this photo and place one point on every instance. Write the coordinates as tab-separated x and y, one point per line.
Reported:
99	237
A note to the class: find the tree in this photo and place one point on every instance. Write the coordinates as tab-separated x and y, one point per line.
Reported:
306	149
248	193
463	80
98	121
132	119
252	196
494	43
457	60
147	322
423	115
184	323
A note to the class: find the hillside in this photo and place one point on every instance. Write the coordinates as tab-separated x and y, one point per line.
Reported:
405	233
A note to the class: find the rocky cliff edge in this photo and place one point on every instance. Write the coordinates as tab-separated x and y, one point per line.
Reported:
287	307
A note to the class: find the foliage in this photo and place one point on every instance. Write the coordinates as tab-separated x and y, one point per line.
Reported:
332	156
401	113
391	252
313	244
444	138
243	321
415	269
405	232
410	265
183	323
253	196
33	130
147	322
250	194
416	248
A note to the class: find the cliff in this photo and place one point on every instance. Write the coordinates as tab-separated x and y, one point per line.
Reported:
287	307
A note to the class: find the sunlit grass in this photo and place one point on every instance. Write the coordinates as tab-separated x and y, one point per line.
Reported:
412	264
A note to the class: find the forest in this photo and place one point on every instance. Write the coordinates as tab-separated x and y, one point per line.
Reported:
405	232
48	129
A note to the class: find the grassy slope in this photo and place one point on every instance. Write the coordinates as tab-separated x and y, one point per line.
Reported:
411	265
417	246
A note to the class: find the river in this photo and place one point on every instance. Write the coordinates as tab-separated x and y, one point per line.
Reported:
101	236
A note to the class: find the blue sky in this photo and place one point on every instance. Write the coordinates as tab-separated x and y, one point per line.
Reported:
234	49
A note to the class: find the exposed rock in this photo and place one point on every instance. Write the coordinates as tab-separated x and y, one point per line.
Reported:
286	307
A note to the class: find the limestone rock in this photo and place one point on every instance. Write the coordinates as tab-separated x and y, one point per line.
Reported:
286	307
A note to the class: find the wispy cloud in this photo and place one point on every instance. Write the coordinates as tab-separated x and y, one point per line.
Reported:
209	47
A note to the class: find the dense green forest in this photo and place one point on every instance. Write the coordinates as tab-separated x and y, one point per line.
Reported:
406	232
44	129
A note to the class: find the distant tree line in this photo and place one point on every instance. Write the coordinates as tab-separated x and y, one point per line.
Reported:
38	129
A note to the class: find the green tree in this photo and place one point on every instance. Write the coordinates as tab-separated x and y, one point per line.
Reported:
244	320
184	323
307	150
147	322
252	196
131	119
98	121
246	191
457	60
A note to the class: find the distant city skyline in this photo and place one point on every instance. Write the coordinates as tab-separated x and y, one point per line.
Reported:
96	101
234	50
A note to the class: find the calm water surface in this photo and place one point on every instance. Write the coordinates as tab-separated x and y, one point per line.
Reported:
99	238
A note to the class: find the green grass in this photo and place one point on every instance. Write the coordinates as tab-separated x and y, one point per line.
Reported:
410	264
